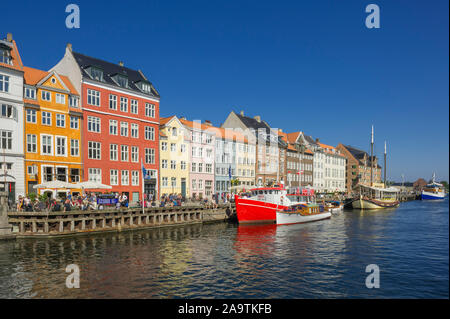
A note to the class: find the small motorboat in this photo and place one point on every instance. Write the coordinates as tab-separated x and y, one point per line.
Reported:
301	213
334	207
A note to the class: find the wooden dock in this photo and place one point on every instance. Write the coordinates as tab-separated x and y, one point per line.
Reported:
50	224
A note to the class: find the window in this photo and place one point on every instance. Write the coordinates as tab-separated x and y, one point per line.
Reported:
73	101
123	128
134	154
200	184
95	175
194	167
164	163
4	83
8	111
173	182
134	130
135	178
149	110
173	164
30	93
134	107
112	127
200	167
149	156
173	147
47	144
46	118
74	123
46	95
96	73
113	152
93	97
194	184
114	177
163	146
61	174
60	120
150	133
93	124
183	148
183	165
31	143
32	170
174	131
208	139
94	150
60	98
125	177
124	153
123	104
122	80
31	116
146	87
165	182
208	168
74	147
112	102
61	142
5	56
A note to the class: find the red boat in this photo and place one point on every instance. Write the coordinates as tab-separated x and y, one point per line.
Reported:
262	204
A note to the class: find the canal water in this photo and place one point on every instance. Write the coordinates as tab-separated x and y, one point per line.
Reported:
325	259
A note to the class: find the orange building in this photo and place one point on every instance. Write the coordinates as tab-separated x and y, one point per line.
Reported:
52	138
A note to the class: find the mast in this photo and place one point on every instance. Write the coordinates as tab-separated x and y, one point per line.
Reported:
384	164
371	160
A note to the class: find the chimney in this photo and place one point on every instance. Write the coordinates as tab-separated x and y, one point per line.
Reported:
121	63
207	123
317	140
280	130
9	37
242	113
258	118
69	46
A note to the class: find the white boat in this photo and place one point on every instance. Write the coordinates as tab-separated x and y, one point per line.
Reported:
301	213
433	190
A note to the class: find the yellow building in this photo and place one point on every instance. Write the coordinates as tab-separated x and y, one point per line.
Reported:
52	138
174	157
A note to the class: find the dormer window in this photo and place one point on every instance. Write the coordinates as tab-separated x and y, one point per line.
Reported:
30	93
122	80
146	87
95	73
5	56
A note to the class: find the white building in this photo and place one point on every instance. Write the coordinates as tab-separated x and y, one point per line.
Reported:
12	172
333	169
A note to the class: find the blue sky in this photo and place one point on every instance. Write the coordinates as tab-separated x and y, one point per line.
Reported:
300	65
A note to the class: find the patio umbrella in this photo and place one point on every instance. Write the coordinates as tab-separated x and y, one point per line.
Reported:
92	185
56	185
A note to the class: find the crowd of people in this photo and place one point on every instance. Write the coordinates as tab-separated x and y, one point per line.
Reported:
93	201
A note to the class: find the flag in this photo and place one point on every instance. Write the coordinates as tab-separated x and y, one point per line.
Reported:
229	172
144	171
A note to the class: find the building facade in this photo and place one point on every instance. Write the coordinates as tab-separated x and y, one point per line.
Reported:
334	169
359	167
269	169
300	161
174	157
53	124
12	177
121	123
201	158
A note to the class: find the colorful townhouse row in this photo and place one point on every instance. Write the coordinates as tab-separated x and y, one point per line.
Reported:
90	120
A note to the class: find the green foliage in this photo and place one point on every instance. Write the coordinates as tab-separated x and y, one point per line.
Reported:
32	196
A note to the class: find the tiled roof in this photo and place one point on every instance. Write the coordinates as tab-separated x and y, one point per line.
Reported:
292	137
110	69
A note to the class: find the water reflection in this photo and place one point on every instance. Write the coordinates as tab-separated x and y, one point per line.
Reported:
321	259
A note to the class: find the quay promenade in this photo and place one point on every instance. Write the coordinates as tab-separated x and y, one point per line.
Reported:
51	224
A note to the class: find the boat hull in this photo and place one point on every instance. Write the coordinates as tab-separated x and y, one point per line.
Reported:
431	196
373	204
254	211
284	218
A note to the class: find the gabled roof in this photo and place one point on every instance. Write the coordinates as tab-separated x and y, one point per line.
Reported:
357	153
34	76
110	69
292	137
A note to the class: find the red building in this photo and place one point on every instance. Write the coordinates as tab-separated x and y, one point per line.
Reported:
120	123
